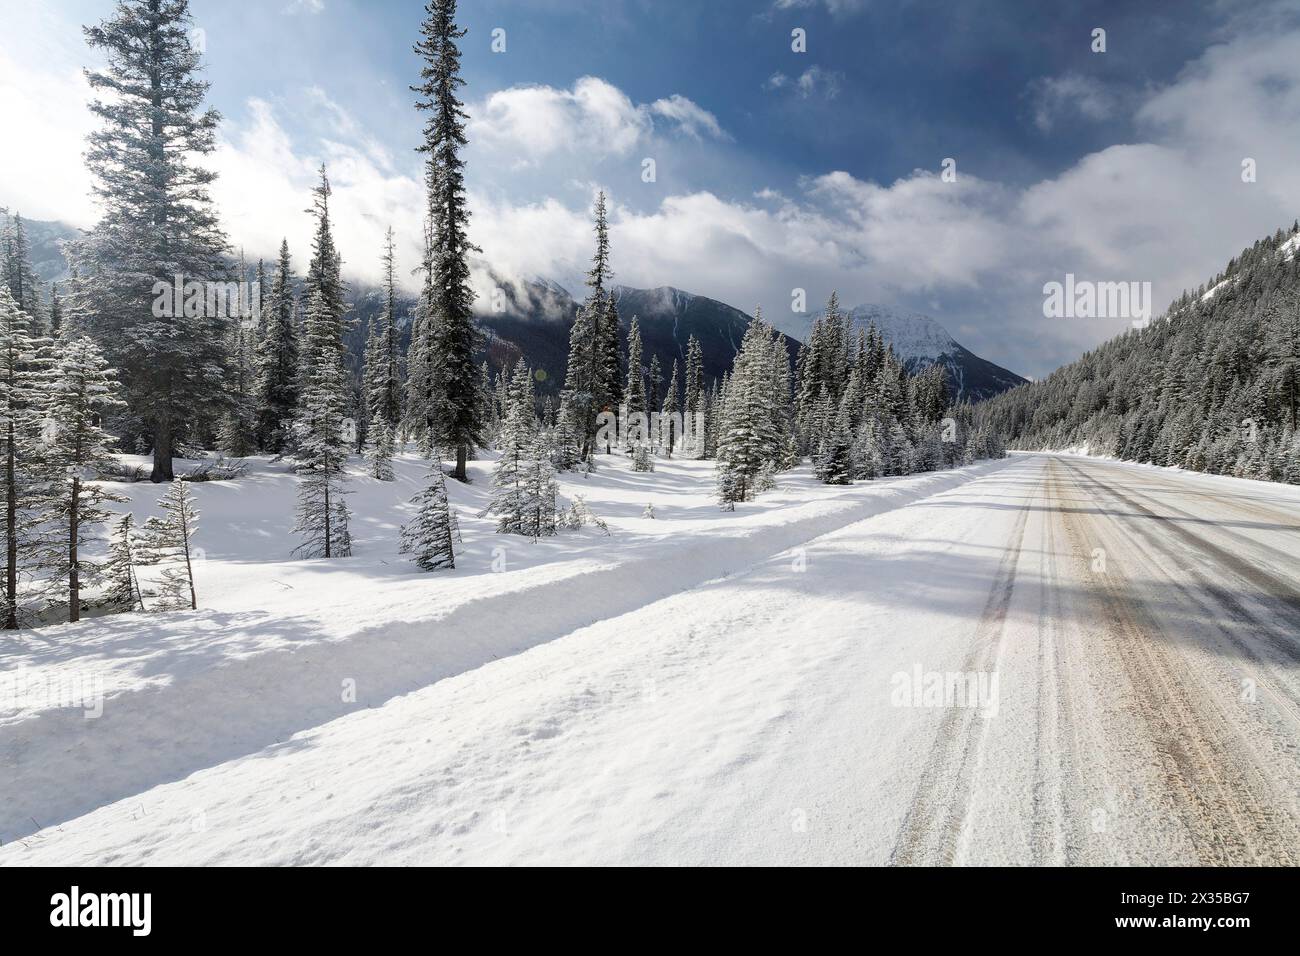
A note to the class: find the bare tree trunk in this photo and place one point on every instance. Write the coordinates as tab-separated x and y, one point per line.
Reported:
189	568
11	536
462	455
74	579
327	514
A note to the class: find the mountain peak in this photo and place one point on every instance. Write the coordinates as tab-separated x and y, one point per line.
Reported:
918	340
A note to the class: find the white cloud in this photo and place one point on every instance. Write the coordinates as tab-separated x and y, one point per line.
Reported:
810	82
836	7
1068	95
594	119
690	117
1168	208
46	124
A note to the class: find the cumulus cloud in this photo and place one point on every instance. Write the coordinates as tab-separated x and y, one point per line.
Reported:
1168	207
594	118
690	117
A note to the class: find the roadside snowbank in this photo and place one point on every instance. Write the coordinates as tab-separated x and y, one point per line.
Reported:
285	646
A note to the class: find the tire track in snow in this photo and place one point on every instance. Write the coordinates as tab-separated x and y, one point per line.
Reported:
1225	601
932	826
1229	811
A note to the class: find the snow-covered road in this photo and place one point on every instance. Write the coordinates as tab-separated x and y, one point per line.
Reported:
1130	638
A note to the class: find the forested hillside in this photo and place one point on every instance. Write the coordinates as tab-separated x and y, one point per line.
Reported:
1213	385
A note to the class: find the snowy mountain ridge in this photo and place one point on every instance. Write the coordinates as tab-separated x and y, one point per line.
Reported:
919	341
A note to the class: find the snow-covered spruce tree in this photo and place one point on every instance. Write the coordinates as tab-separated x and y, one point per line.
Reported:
324	293
379	452
382	366
655	381
82	393
867	456
834	461
668	427
694	379
429	537
321	427
236	434
322	445
585	376
539	491
568	436
168	541
16	270
642	458
158	222
459	419
25	376
56	311
121	583
420	407
634	406
609	372
275	389
750	436
510	476
382	377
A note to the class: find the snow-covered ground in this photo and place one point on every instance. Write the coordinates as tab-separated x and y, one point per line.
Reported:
281	646
707	687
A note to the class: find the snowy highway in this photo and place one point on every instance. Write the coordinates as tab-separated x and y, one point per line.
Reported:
1060	661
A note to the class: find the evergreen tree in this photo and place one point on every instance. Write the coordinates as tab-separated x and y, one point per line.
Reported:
634	402
122	585
586	377
276	362
380	452
567	448
168	541
654	397
512	473
322	442
16	270
56	311
383	376
83	392
158	221
25	360
429	536
694	376
834	461
237	435
667	420
459	422
323	290
750	439
539	491
609	372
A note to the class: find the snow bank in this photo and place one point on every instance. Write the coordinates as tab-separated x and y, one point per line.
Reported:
288	646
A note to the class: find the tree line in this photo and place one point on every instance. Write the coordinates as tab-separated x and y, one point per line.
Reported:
1212	385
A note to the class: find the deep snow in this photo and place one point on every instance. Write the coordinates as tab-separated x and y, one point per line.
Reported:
281	646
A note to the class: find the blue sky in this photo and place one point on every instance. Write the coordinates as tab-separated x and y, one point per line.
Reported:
776	170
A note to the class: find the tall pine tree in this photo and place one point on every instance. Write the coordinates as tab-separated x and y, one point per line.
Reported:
459	416
158	220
